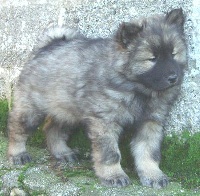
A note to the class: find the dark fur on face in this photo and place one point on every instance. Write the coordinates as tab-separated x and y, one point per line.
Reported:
106	84
158	49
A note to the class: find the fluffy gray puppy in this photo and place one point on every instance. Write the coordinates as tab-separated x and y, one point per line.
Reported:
130	79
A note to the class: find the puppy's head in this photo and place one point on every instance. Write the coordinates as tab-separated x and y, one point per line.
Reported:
157	51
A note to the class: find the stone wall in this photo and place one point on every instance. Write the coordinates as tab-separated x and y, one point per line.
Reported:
22	21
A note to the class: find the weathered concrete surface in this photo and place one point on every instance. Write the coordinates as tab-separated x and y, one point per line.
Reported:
22	21
42	178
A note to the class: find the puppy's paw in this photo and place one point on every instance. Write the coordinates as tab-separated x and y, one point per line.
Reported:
157	181
116	181
20	159
67	158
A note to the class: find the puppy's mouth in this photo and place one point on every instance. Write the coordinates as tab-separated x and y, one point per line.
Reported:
161	84
164	85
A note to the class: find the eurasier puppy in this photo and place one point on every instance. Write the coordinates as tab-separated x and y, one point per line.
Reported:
130	79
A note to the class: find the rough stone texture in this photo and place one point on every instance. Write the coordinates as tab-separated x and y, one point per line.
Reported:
21	22
40	178
10	179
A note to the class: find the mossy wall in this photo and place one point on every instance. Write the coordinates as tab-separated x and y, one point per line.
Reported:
3	116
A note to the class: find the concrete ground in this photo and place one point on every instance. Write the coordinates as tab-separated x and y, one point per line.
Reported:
43	177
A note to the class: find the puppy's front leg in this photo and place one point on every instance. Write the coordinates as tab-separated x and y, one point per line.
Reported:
146	152
106	154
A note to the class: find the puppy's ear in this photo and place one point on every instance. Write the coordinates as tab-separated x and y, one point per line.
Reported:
176	17
126	33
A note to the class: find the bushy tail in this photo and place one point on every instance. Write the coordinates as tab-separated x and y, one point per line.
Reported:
56	33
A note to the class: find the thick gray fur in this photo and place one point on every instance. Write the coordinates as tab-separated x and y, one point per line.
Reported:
130	79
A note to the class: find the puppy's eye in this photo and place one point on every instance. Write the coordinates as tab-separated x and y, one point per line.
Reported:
173	54
153	59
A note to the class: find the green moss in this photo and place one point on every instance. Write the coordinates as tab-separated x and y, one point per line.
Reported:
22	175
181	160
124	145
37	139
37	193
83	169
80	141
3	115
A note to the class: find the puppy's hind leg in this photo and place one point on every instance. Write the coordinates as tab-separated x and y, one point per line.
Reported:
22	121
57	136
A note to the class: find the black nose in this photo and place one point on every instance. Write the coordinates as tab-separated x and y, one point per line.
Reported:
172	79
